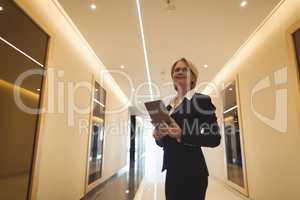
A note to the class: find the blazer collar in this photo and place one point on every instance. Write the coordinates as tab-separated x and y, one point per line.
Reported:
167	101
190	94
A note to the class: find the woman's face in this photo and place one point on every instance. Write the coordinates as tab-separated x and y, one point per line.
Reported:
182	75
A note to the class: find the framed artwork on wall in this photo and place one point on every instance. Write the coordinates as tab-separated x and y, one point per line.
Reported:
293	43
96	137
296	38
19	119
233	135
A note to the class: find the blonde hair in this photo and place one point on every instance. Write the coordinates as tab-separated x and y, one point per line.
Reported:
191	66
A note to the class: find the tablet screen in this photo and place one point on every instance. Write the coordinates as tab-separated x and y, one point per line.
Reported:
158	112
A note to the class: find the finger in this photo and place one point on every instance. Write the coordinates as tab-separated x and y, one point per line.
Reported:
165	124
163	130
171	128
156	135
172	125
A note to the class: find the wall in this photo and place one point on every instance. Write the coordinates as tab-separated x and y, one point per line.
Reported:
62	148
272	157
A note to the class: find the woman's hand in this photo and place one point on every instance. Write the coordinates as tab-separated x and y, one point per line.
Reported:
173	130
157	133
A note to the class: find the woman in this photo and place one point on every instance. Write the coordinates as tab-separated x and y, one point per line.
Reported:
194	125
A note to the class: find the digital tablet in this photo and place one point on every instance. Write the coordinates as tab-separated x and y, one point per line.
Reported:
158	112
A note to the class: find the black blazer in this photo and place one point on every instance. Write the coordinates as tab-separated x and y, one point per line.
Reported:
197	119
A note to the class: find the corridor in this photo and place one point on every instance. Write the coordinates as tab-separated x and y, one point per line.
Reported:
98	97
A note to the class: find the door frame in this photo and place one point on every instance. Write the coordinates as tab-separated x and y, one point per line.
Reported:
292	62
89	187
245	190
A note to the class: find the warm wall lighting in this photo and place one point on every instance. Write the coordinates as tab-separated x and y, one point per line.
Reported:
1	8
58	17
97	119
244	4
122	66
93	6
205	66
9	86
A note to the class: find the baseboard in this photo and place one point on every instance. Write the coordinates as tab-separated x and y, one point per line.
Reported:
230	188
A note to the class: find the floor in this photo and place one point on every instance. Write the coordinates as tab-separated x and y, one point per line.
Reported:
152	186
114	190
155	191
146	182
123	186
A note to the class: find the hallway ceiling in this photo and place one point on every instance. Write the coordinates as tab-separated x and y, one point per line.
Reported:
204	31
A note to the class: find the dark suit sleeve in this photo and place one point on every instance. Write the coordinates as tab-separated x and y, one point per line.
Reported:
160	142
204	118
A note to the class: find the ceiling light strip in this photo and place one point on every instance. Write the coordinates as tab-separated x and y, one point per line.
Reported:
230	109
98	102
14	47
144	46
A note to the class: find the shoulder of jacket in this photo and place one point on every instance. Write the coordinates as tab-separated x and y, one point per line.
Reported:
199	95
204	101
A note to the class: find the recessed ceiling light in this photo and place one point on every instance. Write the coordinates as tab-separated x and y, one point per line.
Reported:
93	6
205	66
244	3
122	66
38	89
170	6
1	8
230	89
127	191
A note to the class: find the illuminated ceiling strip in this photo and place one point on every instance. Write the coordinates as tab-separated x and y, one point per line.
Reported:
99	102
144	46
230	109
11	45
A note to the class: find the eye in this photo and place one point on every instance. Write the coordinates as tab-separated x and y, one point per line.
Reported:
184	70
